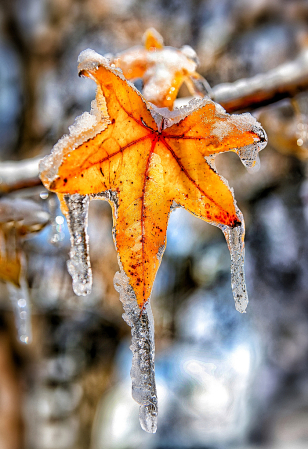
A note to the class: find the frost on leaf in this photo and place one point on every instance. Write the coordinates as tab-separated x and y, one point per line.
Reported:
142	159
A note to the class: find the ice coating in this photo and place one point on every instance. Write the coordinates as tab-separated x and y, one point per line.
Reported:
163	66
170	118
249	155
21	304
143	349
235	241
245	122
79	264
198	86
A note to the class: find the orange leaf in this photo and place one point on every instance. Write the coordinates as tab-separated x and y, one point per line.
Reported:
150	158
162	69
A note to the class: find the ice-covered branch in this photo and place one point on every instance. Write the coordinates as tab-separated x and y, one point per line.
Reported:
16	175
284	81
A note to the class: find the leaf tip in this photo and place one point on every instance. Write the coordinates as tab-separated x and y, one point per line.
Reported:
152	40
89	60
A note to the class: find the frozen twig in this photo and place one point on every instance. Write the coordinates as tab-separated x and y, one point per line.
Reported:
16	175
284	81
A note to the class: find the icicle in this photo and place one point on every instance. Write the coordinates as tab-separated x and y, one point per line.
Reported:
143	349
235	241
79	264
22	310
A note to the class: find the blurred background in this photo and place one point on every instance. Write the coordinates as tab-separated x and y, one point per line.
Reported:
224	379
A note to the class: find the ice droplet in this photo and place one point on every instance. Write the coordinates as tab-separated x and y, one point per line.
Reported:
22	311
235	241
79	264
143	349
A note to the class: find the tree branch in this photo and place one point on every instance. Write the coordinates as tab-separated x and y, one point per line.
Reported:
19	175
284	81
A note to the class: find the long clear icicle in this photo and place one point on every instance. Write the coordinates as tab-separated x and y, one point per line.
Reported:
143	349
21	304
235	240
79	264
141	322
